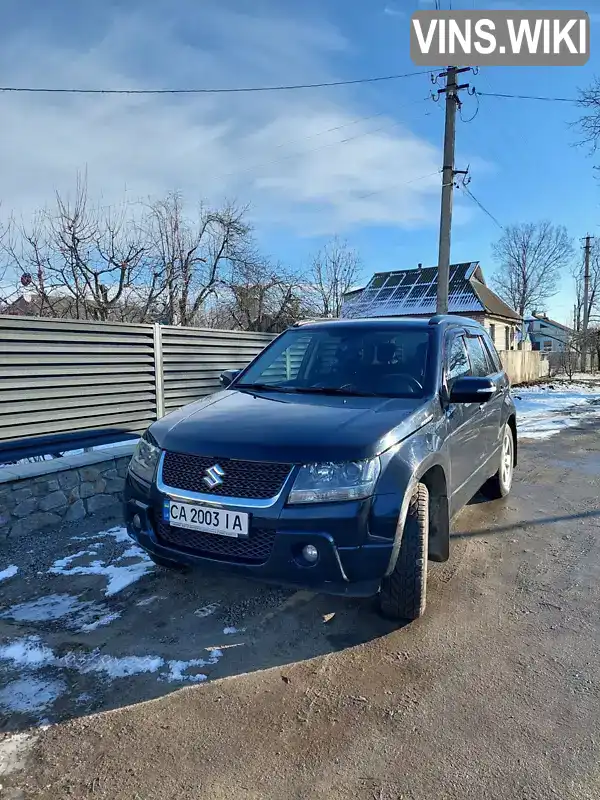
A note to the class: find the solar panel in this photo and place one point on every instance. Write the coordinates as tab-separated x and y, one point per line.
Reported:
414	293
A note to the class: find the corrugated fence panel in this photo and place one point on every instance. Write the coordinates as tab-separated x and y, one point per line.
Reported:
66	384
193	359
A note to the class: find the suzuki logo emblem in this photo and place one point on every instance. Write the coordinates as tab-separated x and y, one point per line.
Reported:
214	476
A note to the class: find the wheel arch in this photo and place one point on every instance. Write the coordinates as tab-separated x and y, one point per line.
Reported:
434	476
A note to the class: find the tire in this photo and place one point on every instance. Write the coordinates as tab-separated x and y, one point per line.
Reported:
500	484
167	564
403	593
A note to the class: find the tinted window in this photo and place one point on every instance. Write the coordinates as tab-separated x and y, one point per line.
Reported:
493	356
458	363
382	361
479	363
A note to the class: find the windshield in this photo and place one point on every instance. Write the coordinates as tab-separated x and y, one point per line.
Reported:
384	362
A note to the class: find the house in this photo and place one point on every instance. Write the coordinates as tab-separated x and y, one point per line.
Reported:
413	293
546	334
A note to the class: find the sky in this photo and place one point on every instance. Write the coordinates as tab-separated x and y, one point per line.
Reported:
360	162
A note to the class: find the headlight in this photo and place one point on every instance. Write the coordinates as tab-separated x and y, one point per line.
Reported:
322	483
144	460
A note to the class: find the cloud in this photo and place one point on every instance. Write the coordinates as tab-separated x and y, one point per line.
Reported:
268	149
392	11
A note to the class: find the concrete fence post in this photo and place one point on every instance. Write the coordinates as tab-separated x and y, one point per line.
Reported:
159	387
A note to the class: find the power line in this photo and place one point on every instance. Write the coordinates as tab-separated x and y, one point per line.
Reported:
529	97
406	183
387	126
238	90
481	206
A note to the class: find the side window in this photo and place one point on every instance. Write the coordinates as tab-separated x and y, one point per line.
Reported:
457	364
493	356
479	363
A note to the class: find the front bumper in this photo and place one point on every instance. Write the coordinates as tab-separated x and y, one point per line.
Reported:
354	540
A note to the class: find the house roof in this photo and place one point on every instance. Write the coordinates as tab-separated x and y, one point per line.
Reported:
548	321
412	292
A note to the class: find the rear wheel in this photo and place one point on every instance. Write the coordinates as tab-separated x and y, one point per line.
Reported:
164	562
403	593
500	484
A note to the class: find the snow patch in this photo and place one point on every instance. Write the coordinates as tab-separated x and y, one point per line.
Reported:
27	652
83	616
231	630
543	411
147	600
30	695
118	577
30	654
8	572
206	611
13	752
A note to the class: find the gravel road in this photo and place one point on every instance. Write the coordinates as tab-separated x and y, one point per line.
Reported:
188	687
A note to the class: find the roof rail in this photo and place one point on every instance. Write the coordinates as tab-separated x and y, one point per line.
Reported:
439	318
301	322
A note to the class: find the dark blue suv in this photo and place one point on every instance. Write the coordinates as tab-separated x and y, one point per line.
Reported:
335	460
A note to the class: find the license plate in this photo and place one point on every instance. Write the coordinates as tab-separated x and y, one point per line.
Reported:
223	522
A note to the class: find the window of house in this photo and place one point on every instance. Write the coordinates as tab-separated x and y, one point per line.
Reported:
493	333
479	363
507	338
547	344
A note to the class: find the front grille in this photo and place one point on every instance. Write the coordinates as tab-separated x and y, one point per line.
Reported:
256	549
258	480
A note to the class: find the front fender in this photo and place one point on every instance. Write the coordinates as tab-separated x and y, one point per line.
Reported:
403	467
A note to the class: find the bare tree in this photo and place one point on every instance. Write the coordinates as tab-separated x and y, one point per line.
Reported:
594	287
334	271
530	257
589	122
193	255
570	356
262	297
82	262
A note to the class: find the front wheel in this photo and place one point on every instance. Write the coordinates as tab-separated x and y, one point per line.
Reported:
500	484
403	593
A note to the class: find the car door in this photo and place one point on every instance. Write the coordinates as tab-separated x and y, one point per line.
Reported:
461	419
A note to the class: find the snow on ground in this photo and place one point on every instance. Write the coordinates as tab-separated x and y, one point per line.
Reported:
547	409
36	688
83	616
118	575
8	572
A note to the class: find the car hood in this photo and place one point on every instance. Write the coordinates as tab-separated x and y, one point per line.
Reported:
290	428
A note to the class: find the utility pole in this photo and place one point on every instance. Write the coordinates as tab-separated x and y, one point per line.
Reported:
448	172
586	300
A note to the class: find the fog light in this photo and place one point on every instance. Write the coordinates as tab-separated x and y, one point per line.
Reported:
310	553
137	522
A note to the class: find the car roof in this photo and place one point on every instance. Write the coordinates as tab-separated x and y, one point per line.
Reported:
390	323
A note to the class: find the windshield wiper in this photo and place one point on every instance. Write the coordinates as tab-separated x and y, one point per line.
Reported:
334	390
264	387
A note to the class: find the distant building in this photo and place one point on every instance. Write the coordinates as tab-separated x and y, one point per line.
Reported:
546	334
413	293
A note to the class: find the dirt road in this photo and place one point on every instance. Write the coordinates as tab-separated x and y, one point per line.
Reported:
495	693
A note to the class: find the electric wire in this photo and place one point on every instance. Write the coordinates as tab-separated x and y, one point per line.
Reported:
233	90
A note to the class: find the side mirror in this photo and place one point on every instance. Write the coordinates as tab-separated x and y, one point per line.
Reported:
227	376
472	390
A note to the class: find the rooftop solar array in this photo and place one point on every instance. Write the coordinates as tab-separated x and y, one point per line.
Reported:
414	292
